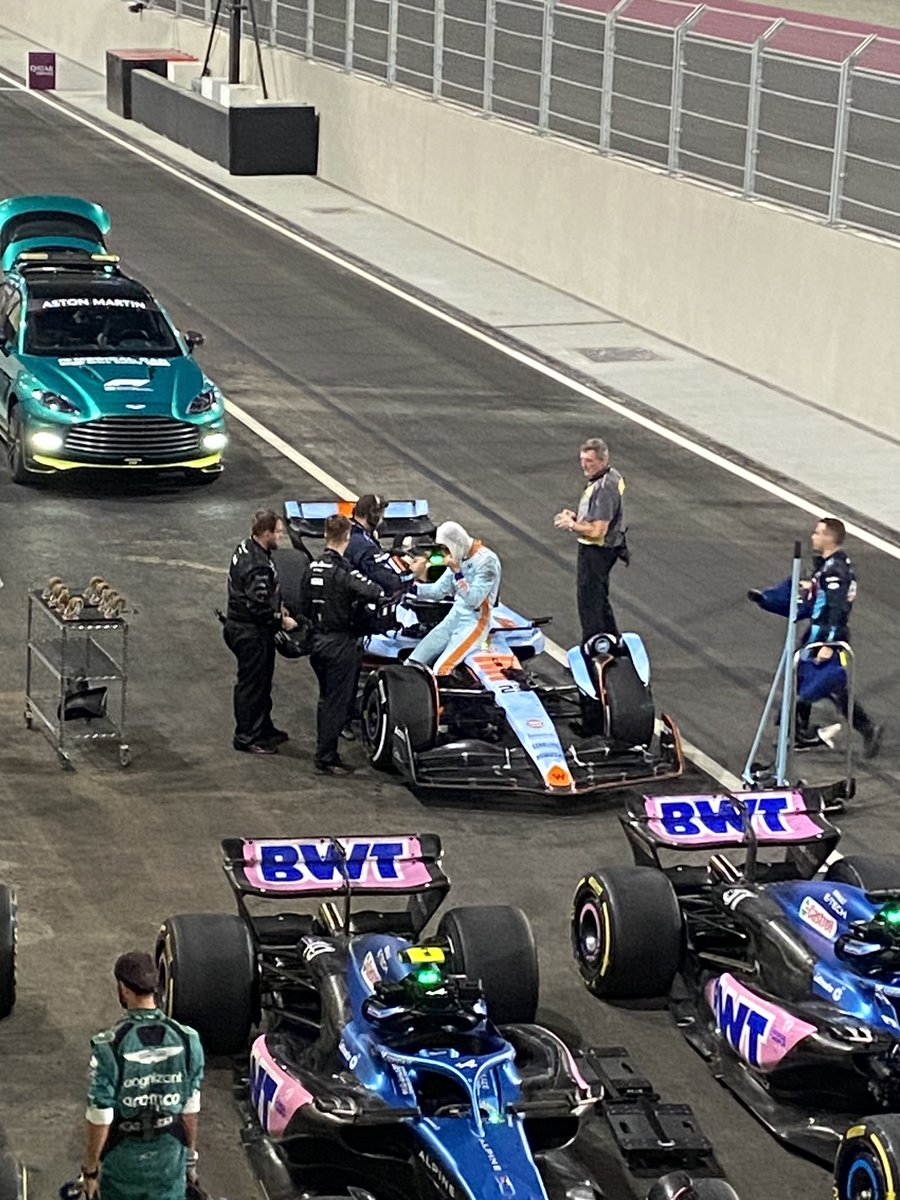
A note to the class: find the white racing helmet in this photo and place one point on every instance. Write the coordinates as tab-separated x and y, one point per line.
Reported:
452	535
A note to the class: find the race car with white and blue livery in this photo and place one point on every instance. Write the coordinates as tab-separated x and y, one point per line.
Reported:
782	969
384	1063
493	725
93	374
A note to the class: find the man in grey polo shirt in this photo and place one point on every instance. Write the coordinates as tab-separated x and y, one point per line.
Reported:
599	526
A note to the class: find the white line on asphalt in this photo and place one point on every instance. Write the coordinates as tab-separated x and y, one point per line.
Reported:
285	448
715	770
522	357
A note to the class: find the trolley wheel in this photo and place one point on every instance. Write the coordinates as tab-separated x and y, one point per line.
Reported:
124	756
28	718
64	761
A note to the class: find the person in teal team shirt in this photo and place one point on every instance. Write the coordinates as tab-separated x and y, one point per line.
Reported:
143	1096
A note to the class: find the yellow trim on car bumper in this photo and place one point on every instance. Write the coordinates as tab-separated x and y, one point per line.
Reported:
61	464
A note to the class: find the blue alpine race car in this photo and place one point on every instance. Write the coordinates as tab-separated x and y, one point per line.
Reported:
493	726
782	971
92	372
392	1065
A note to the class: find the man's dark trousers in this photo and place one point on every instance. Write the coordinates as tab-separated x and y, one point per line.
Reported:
336	659
594	609
816	680
254	648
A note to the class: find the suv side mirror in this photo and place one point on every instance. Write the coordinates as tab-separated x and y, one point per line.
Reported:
193	339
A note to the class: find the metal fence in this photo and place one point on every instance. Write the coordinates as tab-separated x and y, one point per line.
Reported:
772	108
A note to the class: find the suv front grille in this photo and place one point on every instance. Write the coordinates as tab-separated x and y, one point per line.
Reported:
146	439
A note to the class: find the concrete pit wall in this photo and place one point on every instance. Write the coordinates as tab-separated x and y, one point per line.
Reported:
812	310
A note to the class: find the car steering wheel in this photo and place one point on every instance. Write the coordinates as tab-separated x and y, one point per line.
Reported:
131	335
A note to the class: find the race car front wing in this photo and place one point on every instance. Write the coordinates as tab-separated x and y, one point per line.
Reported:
596	765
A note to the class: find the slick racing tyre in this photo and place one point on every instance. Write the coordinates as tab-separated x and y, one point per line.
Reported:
629	702
872	872
494	944
208	978
627	933
8	935
392	696
867	1166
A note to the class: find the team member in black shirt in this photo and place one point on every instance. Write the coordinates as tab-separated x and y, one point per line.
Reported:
337	596
254	616
364	551
599	525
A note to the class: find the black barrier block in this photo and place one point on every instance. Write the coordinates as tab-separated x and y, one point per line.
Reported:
202	126
272	139
153	104
181	116
265	139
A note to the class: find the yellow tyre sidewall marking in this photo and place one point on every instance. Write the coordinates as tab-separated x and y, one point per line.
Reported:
877	1145
603	911
603	914
860	1131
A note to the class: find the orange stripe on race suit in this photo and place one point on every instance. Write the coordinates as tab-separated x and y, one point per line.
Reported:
468	642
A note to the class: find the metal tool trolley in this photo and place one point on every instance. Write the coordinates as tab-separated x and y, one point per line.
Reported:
76	674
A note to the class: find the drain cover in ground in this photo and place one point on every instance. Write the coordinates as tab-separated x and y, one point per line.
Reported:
602	354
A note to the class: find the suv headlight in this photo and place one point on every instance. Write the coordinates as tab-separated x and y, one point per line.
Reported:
53	401
206	401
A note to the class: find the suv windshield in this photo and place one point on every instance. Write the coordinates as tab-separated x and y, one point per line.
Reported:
95	326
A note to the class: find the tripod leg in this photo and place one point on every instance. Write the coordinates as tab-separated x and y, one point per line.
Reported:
259	61
212	33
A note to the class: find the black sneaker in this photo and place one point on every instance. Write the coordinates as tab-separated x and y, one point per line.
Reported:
335	768
807	739
348	733
872	739
256	748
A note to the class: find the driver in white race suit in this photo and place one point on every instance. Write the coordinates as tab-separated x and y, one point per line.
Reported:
472	578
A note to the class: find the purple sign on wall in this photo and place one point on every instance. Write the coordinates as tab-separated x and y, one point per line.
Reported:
42	70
